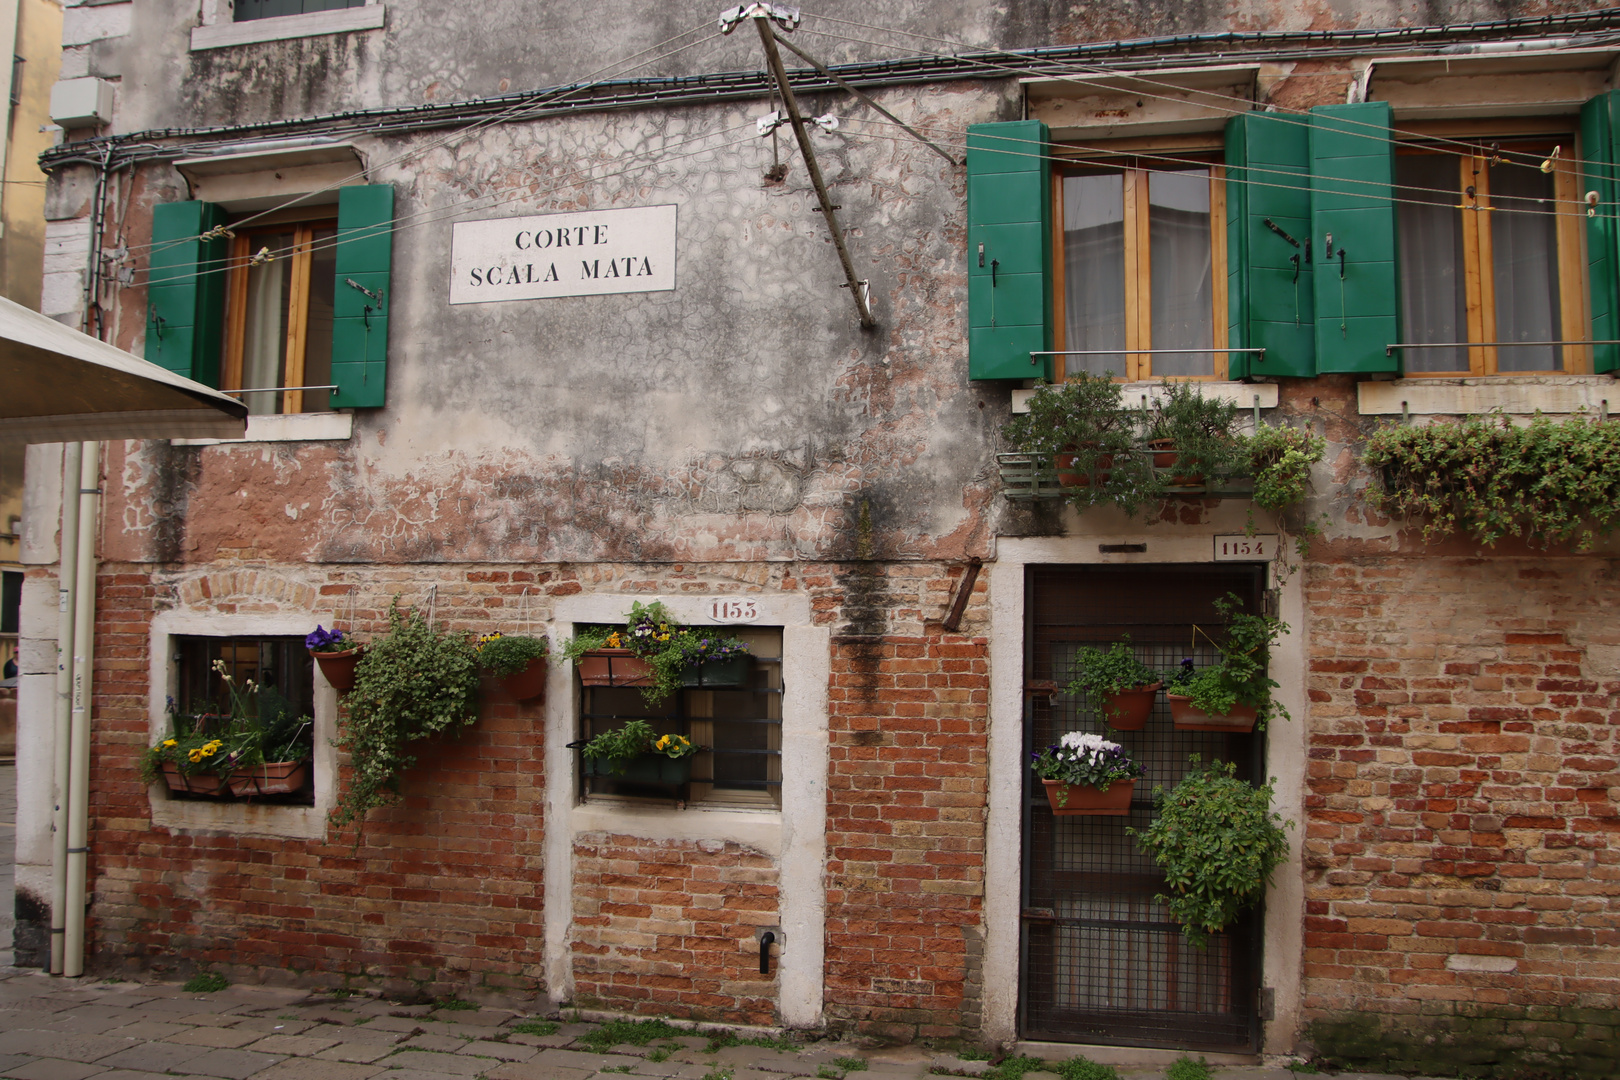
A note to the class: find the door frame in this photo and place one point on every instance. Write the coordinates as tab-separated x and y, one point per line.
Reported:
1283	932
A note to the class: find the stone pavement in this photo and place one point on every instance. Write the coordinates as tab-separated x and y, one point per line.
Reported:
60	1029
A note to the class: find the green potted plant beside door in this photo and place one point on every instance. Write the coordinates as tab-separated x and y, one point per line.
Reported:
1117	684
1233	695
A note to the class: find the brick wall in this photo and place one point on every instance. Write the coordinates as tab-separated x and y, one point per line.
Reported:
667	927
906	811
444	893
1463	885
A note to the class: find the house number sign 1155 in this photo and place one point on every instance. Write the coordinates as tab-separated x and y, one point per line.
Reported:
728	610
1240	548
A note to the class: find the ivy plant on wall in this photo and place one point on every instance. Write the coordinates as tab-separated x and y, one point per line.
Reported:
1551	482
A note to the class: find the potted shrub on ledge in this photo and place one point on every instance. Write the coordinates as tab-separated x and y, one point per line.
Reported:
1117	684
1087	774
637	753
1233	695
518	660
261	746
337	655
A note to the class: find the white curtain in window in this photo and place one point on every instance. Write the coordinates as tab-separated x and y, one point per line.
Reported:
1183	285
265	334
1094	270
1433	295
1524	256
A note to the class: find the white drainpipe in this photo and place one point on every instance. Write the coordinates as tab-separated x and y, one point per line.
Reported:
66	577
84	617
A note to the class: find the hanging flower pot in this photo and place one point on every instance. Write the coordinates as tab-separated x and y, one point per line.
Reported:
338	667
1128	710
271	778
528	683
613	667
1188	717
1074	800
195	784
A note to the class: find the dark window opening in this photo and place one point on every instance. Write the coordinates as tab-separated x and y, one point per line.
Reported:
279	668
269	9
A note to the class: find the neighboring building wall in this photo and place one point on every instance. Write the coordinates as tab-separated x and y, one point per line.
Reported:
1461	874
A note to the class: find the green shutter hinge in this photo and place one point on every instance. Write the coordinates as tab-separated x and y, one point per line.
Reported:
157	320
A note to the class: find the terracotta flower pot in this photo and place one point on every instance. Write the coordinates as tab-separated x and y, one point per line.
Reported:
198	784
1187	718
1115	802
1129	710
271	778
528	683
338	667
1165	456
1069	476
613	667
718	674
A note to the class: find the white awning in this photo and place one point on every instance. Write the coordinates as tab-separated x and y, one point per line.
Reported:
58	385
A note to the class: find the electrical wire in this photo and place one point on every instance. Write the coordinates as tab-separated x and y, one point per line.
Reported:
1221	102
435	214
515	113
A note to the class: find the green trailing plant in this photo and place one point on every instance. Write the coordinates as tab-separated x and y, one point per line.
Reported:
1241	677
1217	841
633	739
1099	673
508	654
411	683
1280	460
1547	483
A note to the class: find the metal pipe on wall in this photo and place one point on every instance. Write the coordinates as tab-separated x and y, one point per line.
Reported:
62	715
84	615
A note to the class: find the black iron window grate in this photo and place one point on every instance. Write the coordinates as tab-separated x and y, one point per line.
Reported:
1101	960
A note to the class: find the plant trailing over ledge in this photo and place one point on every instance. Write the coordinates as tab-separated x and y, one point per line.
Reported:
412	682
624	744
1217	840
1280	460
1241	677
652	634
1548	483
508	654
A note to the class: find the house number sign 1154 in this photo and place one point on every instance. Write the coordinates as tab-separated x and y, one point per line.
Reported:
1240	548
728	610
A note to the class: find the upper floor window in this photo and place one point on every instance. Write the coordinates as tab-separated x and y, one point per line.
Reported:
278	316
1490	253
1143	254
269	9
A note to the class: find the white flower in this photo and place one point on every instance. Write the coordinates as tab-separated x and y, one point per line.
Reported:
1086	744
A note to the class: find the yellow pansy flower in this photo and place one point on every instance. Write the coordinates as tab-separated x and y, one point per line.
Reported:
170	742
195	755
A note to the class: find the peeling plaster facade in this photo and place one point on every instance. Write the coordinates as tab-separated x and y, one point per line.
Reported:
544	463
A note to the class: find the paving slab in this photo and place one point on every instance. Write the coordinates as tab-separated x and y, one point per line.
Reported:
14	1061
53	1069
272	1025
443	1044
312	1069
154	1056
574	1059
418	1074
530	1070
503	1051
229	1064
428	1061
291	1045
55	1044
148	1029
539	1040
363	1052
131	1074
216	1037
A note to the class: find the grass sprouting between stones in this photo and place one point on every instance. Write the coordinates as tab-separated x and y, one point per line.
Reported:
1079	1068
455	1004
205	982
634	1032
541	1028
1185	1068
854	1064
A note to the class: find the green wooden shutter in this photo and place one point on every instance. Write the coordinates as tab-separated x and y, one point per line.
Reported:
1271	300
1600	121
185	293
365	244
1009	205
1352	177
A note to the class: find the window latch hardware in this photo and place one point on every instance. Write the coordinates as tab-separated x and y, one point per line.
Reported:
994	265
981	252
157	320
1278	229
377	296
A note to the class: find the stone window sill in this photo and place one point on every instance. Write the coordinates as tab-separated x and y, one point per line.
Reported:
1512	395
760	830
226	34
293	427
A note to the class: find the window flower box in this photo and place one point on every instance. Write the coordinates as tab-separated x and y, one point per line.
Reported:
271	778
613	667
728	673
642	769
195	784
1075	799
1188	717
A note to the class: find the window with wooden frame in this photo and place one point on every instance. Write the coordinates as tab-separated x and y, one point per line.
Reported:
278	315
1490	250
1141	269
